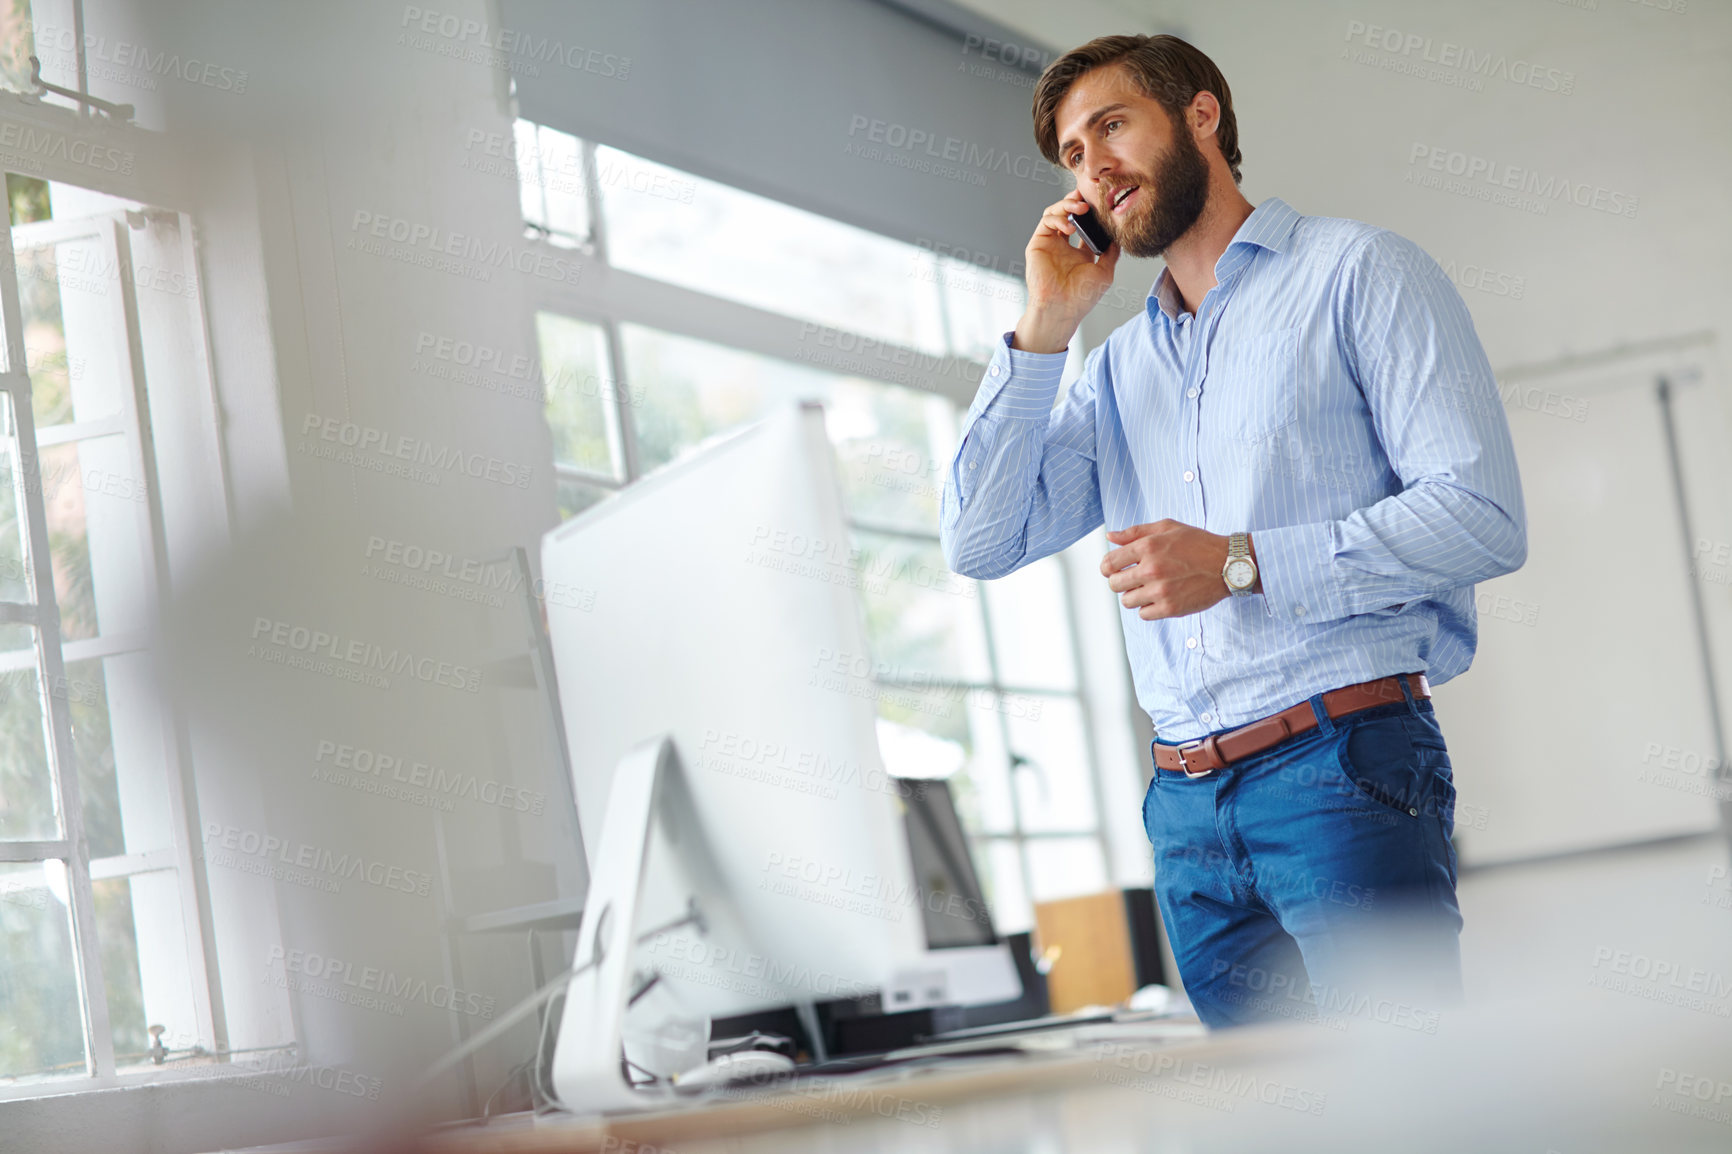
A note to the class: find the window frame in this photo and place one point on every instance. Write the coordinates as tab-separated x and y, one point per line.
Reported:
162	188
52	652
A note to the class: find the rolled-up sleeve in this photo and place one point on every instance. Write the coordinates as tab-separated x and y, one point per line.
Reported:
1023	484
1459	518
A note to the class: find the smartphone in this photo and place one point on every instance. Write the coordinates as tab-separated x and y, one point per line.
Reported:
1094	234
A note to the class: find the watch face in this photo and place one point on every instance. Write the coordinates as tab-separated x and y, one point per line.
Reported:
1240	574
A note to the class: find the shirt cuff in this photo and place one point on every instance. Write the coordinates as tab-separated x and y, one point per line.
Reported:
1027	383
1295	565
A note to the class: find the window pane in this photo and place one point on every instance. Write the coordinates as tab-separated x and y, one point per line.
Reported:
87	701
27	810
666	224
69	293
1001	878
15	583
96	524
561	164
1031	635
1065	867
914	751
687	390
122	754
684	391
16	47
68	541
119	948
1050	756
573	360
952	735
143	945
576	496
27	197
980	305
922	620
529	191
550	176
43	1031
894	447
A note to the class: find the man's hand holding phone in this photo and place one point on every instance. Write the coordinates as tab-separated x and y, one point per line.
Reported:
1064	281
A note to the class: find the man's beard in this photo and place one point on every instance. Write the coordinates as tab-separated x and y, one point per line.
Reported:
1176	198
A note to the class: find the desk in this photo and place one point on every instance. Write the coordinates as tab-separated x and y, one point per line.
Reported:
993	1102
1575	1075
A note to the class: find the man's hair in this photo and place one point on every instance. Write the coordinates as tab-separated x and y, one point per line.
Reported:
1166	68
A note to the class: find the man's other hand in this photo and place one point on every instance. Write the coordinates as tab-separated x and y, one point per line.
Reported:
1166	569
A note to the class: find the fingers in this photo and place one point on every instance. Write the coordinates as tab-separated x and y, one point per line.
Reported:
1054	220
1074	201
1153	597
1127	579
1149	595
1127	553
1109	259
1118	560
1165	569
1132	532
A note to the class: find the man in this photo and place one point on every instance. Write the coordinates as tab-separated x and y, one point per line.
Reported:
1303	447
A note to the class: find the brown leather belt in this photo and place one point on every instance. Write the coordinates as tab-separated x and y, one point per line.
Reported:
1205	756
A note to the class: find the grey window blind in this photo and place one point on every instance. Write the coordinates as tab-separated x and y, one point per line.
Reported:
857	109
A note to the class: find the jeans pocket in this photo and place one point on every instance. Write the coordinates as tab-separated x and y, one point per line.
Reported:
1382	767
1148	798
1435	769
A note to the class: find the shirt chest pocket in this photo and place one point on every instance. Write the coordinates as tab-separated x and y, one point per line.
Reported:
1253	385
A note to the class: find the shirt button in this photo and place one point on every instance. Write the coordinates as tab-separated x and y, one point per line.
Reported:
1190	643
1190	392
1206	718
1190	476
993	372
1298	610
974	464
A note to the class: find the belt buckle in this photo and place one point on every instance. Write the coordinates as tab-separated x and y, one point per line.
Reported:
1186	769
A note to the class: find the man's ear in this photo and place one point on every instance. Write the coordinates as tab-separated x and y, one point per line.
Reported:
1203	114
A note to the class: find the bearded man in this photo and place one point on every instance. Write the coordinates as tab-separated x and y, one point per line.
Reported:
1302	458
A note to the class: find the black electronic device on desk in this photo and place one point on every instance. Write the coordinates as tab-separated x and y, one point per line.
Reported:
956	917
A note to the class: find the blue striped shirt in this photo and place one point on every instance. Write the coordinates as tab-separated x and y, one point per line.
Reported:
1330	397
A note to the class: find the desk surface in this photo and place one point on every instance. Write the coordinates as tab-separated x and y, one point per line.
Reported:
1568	1077
896	1108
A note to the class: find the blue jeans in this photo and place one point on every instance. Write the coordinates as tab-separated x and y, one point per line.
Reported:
1316	880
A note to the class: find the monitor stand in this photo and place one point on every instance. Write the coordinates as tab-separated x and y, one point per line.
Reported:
588	1070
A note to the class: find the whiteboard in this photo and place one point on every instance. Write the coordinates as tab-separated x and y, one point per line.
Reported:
1584	720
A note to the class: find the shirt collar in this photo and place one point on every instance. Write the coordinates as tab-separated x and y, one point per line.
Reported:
1269	226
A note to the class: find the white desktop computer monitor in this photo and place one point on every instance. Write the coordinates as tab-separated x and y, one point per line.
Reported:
714	605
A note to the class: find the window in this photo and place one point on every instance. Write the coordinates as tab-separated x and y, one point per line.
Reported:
97	949
982	683
550	179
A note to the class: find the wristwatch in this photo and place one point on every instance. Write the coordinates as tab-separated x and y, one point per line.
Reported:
1240	571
